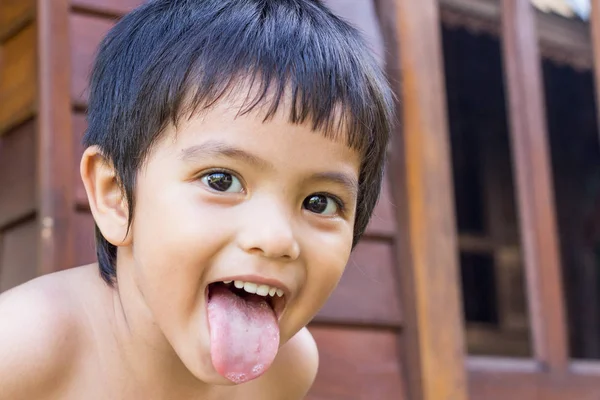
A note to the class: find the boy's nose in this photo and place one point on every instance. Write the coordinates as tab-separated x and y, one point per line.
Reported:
270	234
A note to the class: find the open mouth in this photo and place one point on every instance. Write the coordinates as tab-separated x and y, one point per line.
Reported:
249	291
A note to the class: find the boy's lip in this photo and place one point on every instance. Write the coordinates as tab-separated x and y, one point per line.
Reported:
262	280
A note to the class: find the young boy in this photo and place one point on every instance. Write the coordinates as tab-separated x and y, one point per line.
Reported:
234	155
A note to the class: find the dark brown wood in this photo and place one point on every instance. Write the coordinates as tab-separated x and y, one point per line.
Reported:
55	154
367	292
357	364
14	16
564	40
86	34
85	250
18	258
420	176
595	26
383	221
495	379
534	184
18	78
17	174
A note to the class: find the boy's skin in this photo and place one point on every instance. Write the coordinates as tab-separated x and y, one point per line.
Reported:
69	335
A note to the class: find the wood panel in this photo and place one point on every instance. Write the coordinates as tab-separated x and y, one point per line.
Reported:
85	248
18	78
109	7
17	174
357	364
383	221
535	194
14	15
18	255
493	379
86	33
55	164
368	290
432	335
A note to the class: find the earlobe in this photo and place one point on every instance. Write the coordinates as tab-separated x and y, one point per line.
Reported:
106	199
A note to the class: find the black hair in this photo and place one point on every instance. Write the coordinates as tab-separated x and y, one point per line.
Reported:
173	58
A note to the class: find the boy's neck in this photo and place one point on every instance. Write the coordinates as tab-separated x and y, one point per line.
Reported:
149	361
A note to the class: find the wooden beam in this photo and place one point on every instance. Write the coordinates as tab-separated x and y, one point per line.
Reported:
494	379
420	172
595	24
55	153
535	194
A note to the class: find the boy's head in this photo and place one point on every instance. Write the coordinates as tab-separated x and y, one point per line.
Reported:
232	139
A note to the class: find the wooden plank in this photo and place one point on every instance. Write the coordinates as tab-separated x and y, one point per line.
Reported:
86	34
494	379
18	257
85	245
595	26
368	290
108	7
14	16
420	179
383	221
535	195
18	78
357	364
55	154
17	174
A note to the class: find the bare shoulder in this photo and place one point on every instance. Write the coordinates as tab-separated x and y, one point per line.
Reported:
295	368
38	338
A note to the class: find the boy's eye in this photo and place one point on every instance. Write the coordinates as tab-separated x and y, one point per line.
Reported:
222	182
321	204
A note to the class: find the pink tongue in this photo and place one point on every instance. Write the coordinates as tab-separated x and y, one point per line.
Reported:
244	334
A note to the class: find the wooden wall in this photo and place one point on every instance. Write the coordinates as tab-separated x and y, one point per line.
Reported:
19	230
358	330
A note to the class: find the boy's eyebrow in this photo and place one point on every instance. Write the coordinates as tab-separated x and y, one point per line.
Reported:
342	179
213	148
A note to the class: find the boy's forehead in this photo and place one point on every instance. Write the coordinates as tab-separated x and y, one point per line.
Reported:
236	111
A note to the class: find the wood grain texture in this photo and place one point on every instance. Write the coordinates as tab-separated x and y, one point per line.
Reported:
494	379
18	255
535	194
368	291
357	364
55	154
432	338
85	248
17	174
18	78
383	220
14	15
86	33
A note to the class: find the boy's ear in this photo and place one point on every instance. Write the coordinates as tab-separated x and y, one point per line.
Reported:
107	200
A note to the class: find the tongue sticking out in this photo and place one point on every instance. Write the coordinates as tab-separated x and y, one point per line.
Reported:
244	334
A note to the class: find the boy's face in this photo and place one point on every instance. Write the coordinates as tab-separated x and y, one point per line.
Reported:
232	198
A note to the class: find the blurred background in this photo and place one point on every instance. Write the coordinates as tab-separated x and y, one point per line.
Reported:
479	275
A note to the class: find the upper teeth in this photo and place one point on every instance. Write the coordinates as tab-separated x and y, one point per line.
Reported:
255	288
